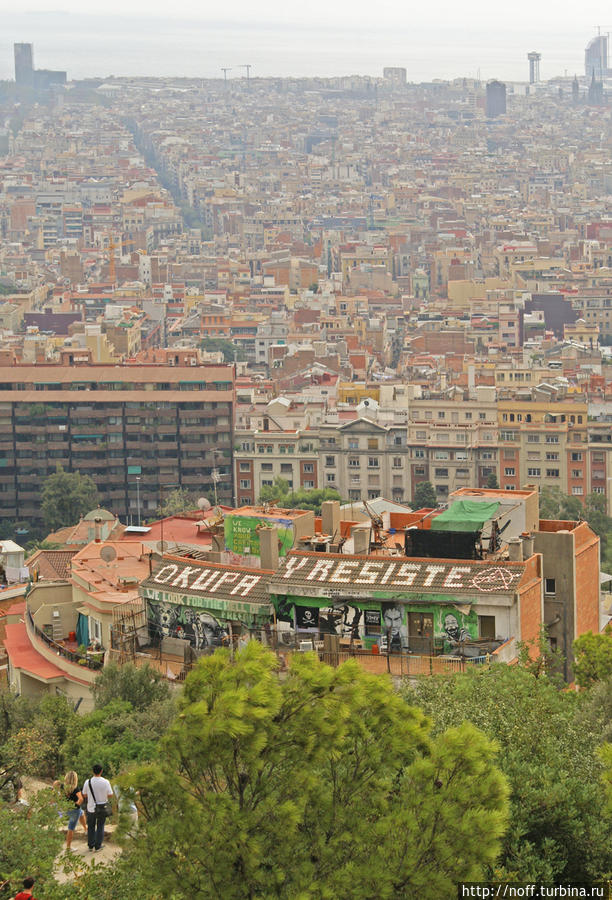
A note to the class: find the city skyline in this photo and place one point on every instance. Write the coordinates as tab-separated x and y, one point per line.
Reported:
94	46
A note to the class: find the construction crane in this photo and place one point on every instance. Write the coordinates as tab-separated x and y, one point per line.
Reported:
248	68
225	70
377	526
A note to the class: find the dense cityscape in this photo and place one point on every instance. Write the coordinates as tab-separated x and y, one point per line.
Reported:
344	433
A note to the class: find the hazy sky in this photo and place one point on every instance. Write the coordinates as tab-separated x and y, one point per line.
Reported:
469	13
436	39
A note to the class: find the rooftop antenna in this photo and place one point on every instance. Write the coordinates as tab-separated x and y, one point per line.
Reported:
248	68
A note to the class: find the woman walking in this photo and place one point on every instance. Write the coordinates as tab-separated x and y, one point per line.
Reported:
76	814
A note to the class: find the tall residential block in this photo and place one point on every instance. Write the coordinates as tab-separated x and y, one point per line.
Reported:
139	431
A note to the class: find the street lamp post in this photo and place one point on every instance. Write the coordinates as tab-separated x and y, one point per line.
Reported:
138	497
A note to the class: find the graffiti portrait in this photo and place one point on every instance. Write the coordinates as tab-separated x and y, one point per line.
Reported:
394	636
201	629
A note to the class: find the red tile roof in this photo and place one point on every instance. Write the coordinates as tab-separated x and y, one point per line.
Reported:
24	656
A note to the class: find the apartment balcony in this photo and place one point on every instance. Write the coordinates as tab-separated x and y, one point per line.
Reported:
65	657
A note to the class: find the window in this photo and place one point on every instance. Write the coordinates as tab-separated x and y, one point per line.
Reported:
330	460
354	495
265	481
550	586
95	630
245	483
397	462
372	443
286	467
468	416
246	445
245	467
552	439
577	491
552	473
509	471
419	470
441	415
373	462
534	473
441	473
419	454
421	435
309	485
441	454
486	454
599	490
330	477
576	473
576	457
508	454
486	627
507	435
353	444
533	438
354	462
266	467
533	455
308	468
551	457
482	417
508	487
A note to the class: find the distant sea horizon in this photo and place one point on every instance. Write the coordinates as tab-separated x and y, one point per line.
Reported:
100	46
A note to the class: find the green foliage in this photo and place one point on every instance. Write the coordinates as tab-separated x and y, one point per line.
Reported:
559	825
231	352
116	735
283	496
140	686
538	658
322	784
66	496
593	657
176	502
554	504
492	481
424	496
32	735
30	842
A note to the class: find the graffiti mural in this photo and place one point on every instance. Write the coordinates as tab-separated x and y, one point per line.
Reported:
342	620
201	629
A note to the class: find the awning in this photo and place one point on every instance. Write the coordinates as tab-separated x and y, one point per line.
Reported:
465	515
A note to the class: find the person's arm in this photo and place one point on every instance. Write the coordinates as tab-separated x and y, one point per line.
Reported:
79	797
110	790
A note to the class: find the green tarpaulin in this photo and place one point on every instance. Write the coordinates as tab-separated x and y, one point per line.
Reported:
465	515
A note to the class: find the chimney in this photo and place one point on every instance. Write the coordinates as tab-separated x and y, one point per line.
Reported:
268	548
97	530
361	538
528	545
330	518
218	541
515	550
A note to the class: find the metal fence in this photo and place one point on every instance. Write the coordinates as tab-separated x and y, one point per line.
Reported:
402	665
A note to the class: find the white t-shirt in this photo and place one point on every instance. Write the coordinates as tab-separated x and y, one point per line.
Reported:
102	789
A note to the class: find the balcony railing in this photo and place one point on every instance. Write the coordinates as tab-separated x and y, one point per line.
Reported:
76	658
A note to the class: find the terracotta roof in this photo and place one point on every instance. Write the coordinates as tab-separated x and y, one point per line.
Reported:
319	574
52	565
24	656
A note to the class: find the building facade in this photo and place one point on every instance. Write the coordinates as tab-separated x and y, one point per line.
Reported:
138	431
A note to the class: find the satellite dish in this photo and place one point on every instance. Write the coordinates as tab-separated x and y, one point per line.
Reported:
161	546
108	554
204	504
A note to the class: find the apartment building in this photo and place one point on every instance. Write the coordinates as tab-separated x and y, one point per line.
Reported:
452	443
363	459
261	456
544	442
137	430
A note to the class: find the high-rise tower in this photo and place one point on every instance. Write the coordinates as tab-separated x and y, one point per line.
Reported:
534	66
496	99
24	63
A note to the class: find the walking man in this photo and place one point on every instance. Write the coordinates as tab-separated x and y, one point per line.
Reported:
97	791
